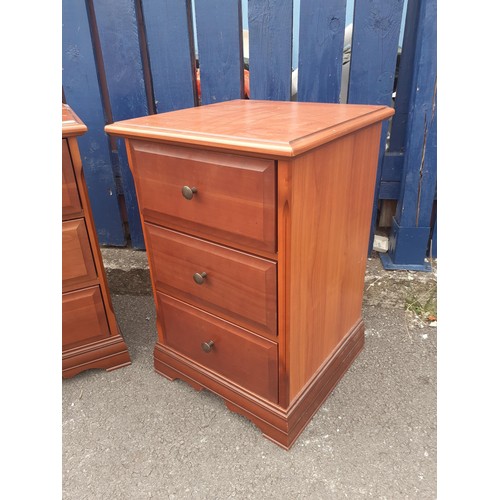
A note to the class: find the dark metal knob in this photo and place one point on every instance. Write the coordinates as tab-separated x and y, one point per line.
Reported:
207	346
188	192
200	278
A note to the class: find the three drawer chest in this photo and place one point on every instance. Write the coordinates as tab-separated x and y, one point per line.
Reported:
91	337
256	218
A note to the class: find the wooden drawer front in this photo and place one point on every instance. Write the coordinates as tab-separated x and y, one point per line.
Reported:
83	317
234	199
238	286
246	359
71	204
77	260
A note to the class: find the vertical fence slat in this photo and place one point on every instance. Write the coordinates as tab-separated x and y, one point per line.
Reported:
81	91
322	24
220	49
117	24
143	49
426	191
169	33
411	229
434	240
374	48
270	48
405	80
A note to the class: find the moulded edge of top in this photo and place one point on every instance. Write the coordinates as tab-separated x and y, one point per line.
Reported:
72	124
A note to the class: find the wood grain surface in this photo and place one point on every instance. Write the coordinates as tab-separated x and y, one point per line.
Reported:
91	336
234	201
322	25
77	260
71	205
330	197
270	48
220	50
238	286
246	359
83	317
274	129
294	178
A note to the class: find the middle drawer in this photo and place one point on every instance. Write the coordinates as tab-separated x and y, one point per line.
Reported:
231	284
78	267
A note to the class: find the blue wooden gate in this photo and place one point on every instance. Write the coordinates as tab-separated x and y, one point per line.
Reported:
128	58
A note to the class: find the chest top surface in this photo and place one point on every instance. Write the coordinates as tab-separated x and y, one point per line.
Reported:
71	123
277	128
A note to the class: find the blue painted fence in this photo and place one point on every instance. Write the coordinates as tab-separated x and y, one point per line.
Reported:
128	58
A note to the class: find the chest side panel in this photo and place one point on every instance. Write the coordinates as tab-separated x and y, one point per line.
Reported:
331	195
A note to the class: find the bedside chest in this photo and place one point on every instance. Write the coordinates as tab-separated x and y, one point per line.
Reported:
256	217
90	334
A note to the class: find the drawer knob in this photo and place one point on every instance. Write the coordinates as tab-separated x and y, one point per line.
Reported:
188	192
207	346
200	278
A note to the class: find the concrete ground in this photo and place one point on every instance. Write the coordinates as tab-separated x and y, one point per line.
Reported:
132	434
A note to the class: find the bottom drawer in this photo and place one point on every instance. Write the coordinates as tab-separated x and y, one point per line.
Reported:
235	354
83	317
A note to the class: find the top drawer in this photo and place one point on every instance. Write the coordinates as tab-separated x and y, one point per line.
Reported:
71	206
228	197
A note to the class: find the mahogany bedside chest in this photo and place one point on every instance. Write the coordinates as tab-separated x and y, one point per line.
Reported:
90	334
256	217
